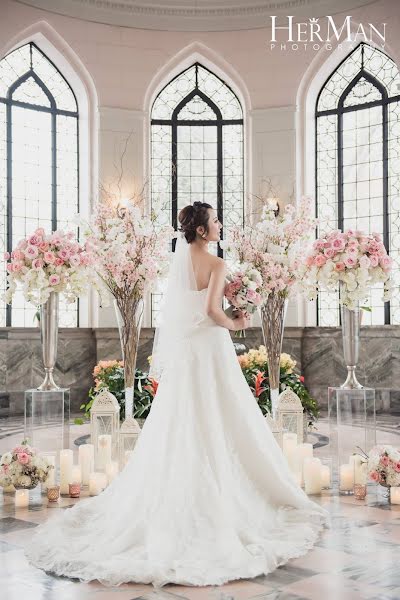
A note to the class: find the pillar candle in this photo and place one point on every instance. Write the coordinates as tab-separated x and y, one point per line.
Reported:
128	454
111	471
66	462
21	498
346	478
288	439
76	474
95	484
103	451
395	495
312	475
303	451
326	476
360	469
289	447
86	461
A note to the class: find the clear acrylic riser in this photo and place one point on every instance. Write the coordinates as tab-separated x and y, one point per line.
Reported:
352	423
47	417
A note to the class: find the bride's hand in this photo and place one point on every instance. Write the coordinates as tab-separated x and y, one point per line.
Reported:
240	320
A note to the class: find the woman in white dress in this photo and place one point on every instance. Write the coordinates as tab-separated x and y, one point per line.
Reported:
207	496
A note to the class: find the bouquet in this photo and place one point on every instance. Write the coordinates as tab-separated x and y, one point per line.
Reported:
243	291
355	259
23	467
45	263
384	465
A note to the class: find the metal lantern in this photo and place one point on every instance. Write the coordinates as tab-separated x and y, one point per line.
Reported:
104	428
276	430
128	437
289	413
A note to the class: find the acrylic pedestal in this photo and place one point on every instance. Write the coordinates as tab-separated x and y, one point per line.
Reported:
47	416
352	423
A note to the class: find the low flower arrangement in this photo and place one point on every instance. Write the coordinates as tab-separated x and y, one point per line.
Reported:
384	465
109	374
23	467
243	290
254	365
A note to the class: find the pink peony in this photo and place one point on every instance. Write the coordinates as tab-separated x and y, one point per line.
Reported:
23	458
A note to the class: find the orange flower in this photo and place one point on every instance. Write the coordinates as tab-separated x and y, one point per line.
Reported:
152	388
258	379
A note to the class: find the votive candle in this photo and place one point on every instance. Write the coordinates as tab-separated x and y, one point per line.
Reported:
21	498
86	461
346	478
395	495
76	474
325	476
312	475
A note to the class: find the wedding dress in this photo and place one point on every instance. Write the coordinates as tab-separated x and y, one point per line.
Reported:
207	495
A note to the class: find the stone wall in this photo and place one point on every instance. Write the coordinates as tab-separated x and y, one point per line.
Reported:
317	350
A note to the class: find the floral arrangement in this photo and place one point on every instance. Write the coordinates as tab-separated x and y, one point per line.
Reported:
384	465
355	259
45	263
23	467
243	290
109	374
275	246
254	365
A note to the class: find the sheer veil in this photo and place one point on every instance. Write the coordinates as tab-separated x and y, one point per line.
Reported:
177	315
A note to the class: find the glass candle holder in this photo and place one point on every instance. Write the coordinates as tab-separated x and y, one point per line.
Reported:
326	472
360	491
53	493
75	489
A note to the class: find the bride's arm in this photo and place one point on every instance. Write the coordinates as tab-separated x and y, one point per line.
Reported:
215	294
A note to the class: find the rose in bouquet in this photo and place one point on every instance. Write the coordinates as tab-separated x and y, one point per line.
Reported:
354	259
23	467
243	290
384	465
44	263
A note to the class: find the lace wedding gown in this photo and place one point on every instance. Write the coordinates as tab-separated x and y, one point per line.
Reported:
207	495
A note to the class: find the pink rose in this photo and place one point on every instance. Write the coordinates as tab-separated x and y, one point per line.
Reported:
340	266
396	467
54	280
23	458
365	263
17	267
374	260
374	476
329	252
31	252
64	254
386	263
6	255
10	267
350	261
59	261
37	263
309	261
384	460
18	449
49	257
44	246
319	260
17	254
75	260
338	244
35	240
40	231
251	295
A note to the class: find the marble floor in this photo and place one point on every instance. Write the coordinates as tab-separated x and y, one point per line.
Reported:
356	558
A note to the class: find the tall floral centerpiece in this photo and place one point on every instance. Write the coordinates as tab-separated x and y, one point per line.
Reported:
275	246
46	265
353	261
131	252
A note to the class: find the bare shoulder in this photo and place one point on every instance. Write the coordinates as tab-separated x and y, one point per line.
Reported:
217	263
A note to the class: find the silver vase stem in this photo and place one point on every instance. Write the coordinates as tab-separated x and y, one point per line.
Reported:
49	339
351	345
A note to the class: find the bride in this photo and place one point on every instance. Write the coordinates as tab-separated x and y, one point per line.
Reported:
207	495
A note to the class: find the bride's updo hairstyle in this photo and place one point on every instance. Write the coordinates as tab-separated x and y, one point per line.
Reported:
193	216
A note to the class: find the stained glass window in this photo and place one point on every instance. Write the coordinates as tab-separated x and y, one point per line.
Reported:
38	162
196	150
358	165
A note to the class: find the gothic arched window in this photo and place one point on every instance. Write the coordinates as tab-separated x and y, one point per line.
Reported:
358	164
38	161
196	149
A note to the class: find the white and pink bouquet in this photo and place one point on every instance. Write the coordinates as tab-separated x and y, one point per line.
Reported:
275	246
243	290
45	263
130	251
355	259
384	465
23	467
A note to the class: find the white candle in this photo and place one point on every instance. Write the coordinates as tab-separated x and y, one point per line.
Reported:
288	440
103	451
103	481
76	474
326	476
312	475
395	495
360	469
21	498
94	484
66	462
128	454
111	471
289	446
86	461
51	478
303	451
297	477
346	478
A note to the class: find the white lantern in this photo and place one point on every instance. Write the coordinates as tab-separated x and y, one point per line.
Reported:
104	428
128	437
276	430
289	413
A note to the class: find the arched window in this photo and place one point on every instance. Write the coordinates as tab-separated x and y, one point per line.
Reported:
358	164
196	149
38	161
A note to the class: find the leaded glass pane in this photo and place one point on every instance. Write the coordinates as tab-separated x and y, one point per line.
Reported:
196	108
394	202
364	91
3	206
29	91
339	80
13	66
173	93
55	82
383	68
